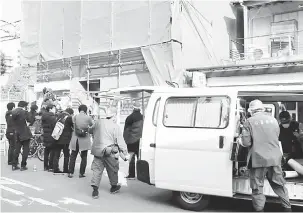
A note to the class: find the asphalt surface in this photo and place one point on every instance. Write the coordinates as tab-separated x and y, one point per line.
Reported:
40	191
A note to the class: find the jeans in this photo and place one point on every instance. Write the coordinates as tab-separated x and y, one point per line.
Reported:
133	150
66	155
276	181
57	152
48	157
25	146
73	159
12	145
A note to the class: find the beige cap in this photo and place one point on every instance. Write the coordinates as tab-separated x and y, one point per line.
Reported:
255	105
137	105
111	111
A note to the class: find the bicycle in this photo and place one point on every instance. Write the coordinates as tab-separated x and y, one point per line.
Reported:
36	148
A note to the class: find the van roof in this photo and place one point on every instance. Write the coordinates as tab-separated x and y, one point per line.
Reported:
242	91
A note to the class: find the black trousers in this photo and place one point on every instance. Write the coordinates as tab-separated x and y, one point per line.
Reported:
57	152
133	149
48	157
12	145
73	159
25	146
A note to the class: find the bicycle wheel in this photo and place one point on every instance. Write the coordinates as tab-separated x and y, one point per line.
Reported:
33	145
40	153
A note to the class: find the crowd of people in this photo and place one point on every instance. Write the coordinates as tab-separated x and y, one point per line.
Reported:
107	145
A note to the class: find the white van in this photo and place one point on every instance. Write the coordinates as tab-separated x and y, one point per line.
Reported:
187	141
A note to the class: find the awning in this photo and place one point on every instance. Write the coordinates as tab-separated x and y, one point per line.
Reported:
251	69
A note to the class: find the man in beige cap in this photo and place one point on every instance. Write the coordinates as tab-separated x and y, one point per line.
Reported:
261	134
108	142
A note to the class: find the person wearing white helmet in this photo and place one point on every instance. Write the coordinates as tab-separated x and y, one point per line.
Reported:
107	144
261	134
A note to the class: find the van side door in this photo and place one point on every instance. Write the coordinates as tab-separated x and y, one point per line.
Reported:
193	141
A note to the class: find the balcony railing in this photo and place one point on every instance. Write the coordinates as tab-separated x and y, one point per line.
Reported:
285	46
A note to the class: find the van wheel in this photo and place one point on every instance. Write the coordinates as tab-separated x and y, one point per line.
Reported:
191	201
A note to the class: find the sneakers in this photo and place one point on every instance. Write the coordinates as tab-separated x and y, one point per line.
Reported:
70	175
10	163
14	168
23	168
50	170
58	172
130	177
115	189
95	194
82	176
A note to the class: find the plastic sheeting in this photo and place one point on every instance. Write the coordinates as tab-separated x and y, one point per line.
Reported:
163	62
61	29
30	29
51	29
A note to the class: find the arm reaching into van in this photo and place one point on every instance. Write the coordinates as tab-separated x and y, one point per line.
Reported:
246	138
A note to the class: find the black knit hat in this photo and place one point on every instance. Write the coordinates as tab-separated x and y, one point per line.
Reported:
22	104
284	117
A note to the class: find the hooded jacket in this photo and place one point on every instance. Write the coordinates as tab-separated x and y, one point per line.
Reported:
48	125
133	127
9	121
20	117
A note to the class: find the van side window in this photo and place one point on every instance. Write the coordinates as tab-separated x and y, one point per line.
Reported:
179	112
212	112
199	112
155	113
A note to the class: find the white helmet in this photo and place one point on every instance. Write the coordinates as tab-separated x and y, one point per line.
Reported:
255	105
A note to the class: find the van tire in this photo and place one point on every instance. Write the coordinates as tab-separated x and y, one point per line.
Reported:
199	203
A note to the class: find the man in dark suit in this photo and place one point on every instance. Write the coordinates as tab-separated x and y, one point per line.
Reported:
10	132
23	134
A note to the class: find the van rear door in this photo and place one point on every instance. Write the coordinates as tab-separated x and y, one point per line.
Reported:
193	141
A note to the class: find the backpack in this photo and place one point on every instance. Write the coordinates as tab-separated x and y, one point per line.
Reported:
59	127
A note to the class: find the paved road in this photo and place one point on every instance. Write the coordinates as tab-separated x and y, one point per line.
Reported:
40	191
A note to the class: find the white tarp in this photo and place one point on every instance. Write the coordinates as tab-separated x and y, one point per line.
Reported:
30	29
61	29
163	62
72	28
95	27
51	29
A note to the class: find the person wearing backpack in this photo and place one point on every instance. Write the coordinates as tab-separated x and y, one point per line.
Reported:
80	141
65	118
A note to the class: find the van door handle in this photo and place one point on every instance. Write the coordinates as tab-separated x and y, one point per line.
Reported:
152	145
221	142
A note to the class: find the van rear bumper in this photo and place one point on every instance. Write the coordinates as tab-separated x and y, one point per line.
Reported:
143	171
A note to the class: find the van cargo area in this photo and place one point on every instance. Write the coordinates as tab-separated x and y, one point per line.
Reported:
241	185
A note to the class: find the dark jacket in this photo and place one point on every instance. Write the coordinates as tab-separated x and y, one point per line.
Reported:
9	122
20	117
48	125
32	117
66	135
133	127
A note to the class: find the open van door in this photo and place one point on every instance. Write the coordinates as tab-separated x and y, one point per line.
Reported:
193	141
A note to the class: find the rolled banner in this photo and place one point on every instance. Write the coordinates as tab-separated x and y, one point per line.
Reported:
290	174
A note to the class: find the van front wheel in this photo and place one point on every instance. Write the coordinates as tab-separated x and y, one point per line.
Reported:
191	201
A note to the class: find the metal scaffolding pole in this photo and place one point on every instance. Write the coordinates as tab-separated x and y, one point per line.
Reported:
118	65
88	69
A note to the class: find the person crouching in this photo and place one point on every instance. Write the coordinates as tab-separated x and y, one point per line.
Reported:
108	144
